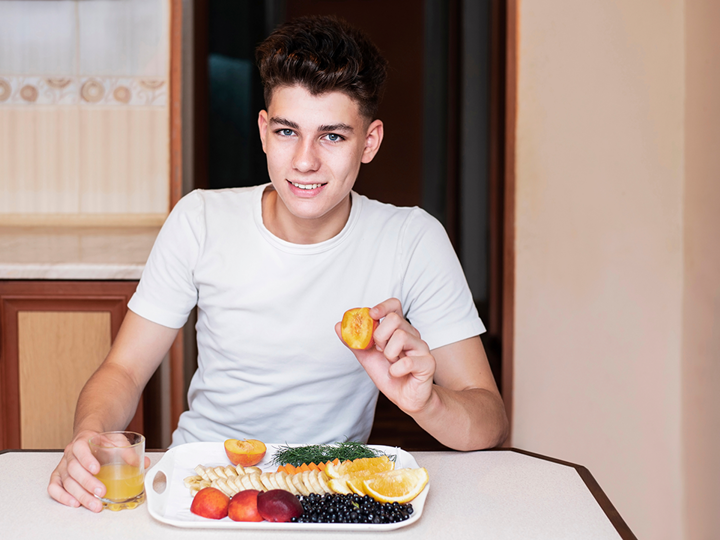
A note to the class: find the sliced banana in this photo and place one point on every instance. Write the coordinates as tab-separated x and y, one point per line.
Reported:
236	483
306	478
233	479
265	480
222	485
245	482
257	484
190	481
201	470
291	487
323	481
274	481
311	483
299	485
280	481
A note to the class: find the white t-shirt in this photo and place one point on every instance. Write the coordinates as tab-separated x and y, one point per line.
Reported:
270	365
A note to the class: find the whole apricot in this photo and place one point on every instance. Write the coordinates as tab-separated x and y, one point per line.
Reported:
357	328
245	452
243	506
210	503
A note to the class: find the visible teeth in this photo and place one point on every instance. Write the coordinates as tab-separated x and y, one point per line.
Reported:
306	186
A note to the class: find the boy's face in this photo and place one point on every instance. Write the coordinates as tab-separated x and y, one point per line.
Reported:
314	147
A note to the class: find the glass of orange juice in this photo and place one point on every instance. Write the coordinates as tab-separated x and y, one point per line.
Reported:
121	455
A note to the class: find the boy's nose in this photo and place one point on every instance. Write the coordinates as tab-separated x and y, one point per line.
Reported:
306	158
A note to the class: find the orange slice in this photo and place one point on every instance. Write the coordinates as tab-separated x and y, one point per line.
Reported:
360	468
401	485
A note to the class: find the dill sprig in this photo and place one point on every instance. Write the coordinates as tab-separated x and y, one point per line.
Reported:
321	453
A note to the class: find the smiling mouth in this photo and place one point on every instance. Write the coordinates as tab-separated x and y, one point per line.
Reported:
307	186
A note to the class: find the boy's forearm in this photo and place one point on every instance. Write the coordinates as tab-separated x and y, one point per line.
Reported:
471	419
101	409
110	397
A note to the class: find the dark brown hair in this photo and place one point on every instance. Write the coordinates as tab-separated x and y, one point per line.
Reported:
323	54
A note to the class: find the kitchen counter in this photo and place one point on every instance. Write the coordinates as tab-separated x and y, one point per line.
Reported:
75	253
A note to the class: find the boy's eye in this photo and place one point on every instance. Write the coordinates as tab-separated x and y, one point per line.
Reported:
285	132
334	137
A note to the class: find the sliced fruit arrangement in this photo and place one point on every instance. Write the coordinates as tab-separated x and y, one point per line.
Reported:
243	492
376	477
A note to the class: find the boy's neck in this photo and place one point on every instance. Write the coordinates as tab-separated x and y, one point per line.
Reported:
280	222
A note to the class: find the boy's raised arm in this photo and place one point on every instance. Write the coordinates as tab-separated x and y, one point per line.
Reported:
449	391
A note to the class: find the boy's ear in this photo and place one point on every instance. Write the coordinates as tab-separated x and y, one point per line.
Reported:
262	127
373	139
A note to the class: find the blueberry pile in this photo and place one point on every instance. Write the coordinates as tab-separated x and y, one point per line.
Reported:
337	508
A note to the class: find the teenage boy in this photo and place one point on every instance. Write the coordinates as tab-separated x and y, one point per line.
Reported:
273	268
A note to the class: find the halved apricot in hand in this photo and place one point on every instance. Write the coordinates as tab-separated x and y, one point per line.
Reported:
357	328
245	452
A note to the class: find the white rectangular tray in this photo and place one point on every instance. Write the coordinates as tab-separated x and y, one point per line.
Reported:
171	505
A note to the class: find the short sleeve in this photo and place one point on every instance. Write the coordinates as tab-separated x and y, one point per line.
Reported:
435	294
167	293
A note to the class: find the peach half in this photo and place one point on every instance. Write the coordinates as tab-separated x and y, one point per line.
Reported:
245	452
243	506
357	328
210	503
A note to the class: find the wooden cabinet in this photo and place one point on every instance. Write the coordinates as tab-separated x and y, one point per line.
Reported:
54	335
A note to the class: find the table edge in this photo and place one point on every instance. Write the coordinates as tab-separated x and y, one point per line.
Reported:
596	491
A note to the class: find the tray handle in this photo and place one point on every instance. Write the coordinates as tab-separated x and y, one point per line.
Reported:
157	484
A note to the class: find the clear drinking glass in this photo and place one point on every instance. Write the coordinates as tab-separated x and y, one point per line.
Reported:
122	468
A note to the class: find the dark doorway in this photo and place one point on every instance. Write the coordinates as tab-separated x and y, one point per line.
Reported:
443	116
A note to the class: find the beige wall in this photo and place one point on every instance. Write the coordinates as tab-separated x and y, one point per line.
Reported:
617	265
701	313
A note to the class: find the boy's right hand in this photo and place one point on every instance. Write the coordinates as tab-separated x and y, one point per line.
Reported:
72	482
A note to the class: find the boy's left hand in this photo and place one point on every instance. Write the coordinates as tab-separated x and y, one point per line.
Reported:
400	363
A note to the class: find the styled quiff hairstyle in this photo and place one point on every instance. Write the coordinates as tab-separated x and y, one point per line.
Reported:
323	54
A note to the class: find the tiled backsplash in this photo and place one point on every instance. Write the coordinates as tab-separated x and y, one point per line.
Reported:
84	105
34	90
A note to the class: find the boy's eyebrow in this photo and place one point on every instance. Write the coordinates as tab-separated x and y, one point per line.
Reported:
284	122
326	127
336	127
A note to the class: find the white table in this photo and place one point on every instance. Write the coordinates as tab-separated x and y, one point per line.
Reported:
496	494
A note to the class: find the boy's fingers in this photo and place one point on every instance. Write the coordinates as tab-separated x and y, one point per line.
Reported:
85	498
88	483
82	453
383	309
421	367
56	491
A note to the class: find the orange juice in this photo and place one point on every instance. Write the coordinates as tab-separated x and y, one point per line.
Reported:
122	481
